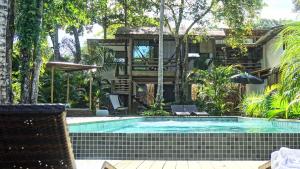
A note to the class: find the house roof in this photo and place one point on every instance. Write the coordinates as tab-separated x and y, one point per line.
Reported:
269	35
67	66
155	31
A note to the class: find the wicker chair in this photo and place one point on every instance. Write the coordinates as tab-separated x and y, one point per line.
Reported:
34	137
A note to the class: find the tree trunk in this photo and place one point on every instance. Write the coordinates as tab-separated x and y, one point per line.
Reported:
77	56
185	88
178	70
159	95
25	75
3	65
10	32
36	74
55	42
105	27
37	64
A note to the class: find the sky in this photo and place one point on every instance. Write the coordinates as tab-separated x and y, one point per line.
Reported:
279	9
274	9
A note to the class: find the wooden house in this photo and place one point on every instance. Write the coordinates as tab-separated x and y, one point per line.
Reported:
136	52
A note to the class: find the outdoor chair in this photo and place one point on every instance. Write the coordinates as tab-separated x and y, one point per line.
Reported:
179	110
35	137
194	111
116	104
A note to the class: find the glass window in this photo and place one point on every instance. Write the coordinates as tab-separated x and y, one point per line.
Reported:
143	50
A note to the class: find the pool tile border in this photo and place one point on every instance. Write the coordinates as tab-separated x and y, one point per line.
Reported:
180	146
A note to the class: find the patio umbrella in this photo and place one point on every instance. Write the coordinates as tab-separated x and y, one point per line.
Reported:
246	78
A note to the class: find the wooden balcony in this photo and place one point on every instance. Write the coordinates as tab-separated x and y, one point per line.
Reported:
146	70
248	65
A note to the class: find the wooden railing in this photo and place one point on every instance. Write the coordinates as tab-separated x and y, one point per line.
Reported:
248	65
152	64
120	86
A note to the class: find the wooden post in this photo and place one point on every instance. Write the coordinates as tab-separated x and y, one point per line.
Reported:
52	84
68	87
129	55
91	85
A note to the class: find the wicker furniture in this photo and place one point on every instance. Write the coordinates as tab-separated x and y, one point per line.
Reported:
34	137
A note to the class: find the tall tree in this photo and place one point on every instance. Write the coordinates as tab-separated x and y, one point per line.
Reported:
29	28
10	32
160	84
3	63
237	14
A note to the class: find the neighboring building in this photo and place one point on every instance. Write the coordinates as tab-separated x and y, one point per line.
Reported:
136	51
270	61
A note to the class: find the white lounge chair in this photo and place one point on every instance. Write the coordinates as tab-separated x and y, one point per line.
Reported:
115	101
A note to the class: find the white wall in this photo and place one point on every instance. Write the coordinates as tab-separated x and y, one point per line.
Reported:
271	59
271	54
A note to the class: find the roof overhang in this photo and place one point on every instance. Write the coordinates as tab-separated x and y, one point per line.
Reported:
70	67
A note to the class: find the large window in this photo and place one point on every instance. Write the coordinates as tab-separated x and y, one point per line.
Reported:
144	50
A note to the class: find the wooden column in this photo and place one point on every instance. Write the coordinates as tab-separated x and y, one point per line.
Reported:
130	56
52	84
91	88
68	87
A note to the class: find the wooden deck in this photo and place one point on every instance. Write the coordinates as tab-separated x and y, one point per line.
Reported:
139	164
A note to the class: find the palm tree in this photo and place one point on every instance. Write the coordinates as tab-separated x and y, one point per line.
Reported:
3	63
290	66
159	95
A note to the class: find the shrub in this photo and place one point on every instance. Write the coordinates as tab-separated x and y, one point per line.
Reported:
254	105
216	90
156	113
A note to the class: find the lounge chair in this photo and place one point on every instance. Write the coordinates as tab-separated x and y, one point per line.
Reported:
115	101
34	137
179	110
194	111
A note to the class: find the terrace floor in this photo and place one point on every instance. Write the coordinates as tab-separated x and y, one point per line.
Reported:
138	164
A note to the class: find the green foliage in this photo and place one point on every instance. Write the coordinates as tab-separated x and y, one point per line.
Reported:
254	105
156	110
156	113
270	104
215	89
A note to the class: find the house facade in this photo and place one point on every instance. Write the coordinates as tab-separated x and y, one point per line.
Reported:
136	52
270	61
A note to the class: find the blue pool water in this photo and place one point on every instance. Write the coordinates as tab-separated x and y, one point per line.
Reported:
187	125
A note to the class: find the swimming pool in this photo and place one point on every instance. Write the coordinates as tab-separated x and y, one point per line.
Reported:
183	138
188	125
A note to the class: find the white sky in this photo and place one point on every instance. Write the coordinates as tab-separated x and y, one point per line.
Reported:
279	9
274	9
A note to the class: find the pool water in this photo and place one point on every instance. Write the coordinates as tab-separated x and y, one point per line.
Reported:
187	125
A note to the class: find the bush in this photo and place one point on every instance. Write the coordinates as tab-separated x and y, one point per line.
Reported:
216	93
270	104
156	110
254	105
156	113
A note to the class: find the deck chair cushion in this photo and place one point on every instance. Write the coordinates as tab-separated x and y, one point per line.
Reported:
200	113
182	113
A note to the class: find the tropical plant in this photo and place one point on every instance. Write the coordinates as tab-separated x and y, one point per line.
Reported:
156	110
215	88
254	105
